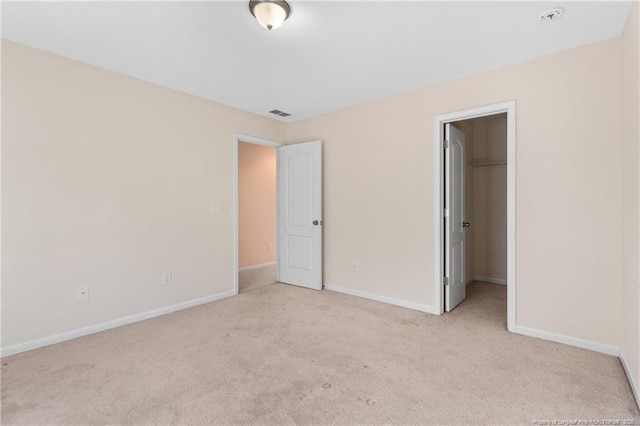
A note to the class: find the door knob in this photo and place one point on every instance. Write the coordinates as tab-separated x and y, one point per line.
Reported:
466	224
317	222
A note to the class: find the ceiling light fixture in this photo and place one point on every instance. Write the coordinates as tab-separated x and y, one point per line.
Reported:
270	13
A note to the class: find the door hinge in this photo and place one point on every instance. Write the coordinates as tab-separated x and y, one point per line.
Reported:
445	144
445	281
445	212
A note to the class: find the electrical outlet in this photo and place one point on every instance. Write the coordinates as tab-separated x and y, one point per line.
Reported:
355	267
167	278
269	246
82	292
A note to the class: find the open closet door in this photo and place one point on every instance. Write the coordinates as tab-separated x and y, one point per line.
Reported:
300	214
455	289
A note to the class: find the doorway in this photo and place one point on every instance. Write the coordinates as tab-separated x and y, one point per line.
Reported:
255	271
455	164
298	215
257	265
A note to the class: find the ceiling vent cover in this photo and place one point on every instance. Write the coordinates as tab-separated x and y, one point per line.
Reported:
280	113
552	14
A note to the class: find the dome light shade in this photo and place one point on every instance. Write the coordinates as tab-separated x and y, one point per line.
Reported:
270	13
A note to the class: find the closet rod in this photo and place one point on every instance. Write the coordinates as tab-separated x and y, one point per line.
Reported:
488	164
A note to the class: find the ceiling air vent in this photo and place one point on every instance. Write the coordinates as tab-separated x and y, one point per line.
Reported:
280	113
552	14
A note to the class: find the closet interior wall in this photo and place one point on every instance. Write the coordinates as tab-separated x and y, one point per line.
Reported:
486	198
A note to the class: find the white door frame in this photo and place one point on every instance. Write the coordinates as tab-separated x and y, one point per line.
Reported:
237	138
438	191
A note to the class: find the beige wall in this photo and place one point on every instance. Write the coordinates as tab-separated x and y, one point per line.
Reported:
630	154
108	181
256	204
379	188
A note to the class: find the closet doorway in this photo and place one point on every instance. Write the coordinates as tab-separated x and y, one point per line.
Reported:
486	198
475	190
484	217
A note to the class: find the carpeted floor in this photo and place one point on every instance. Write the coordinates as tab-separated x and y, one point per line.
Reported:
281	355
256	278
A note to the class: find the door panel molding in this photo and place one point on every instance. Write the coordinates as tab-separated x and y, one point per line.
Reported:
454	203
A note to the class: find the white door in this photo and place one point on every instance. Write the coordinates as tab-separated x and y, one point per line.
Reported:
454	220
300	214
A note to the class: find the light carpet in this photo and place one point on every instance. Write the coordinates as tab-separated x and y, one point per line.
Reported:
255	278
285	355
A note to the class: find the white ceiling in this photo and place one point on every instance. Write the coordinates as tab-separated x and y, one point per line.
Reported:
326	56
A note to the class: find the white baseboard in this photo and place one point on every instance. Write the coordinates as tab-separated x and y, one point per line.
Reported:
490	280
260	266
632	380
73	334
567	340
384	299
